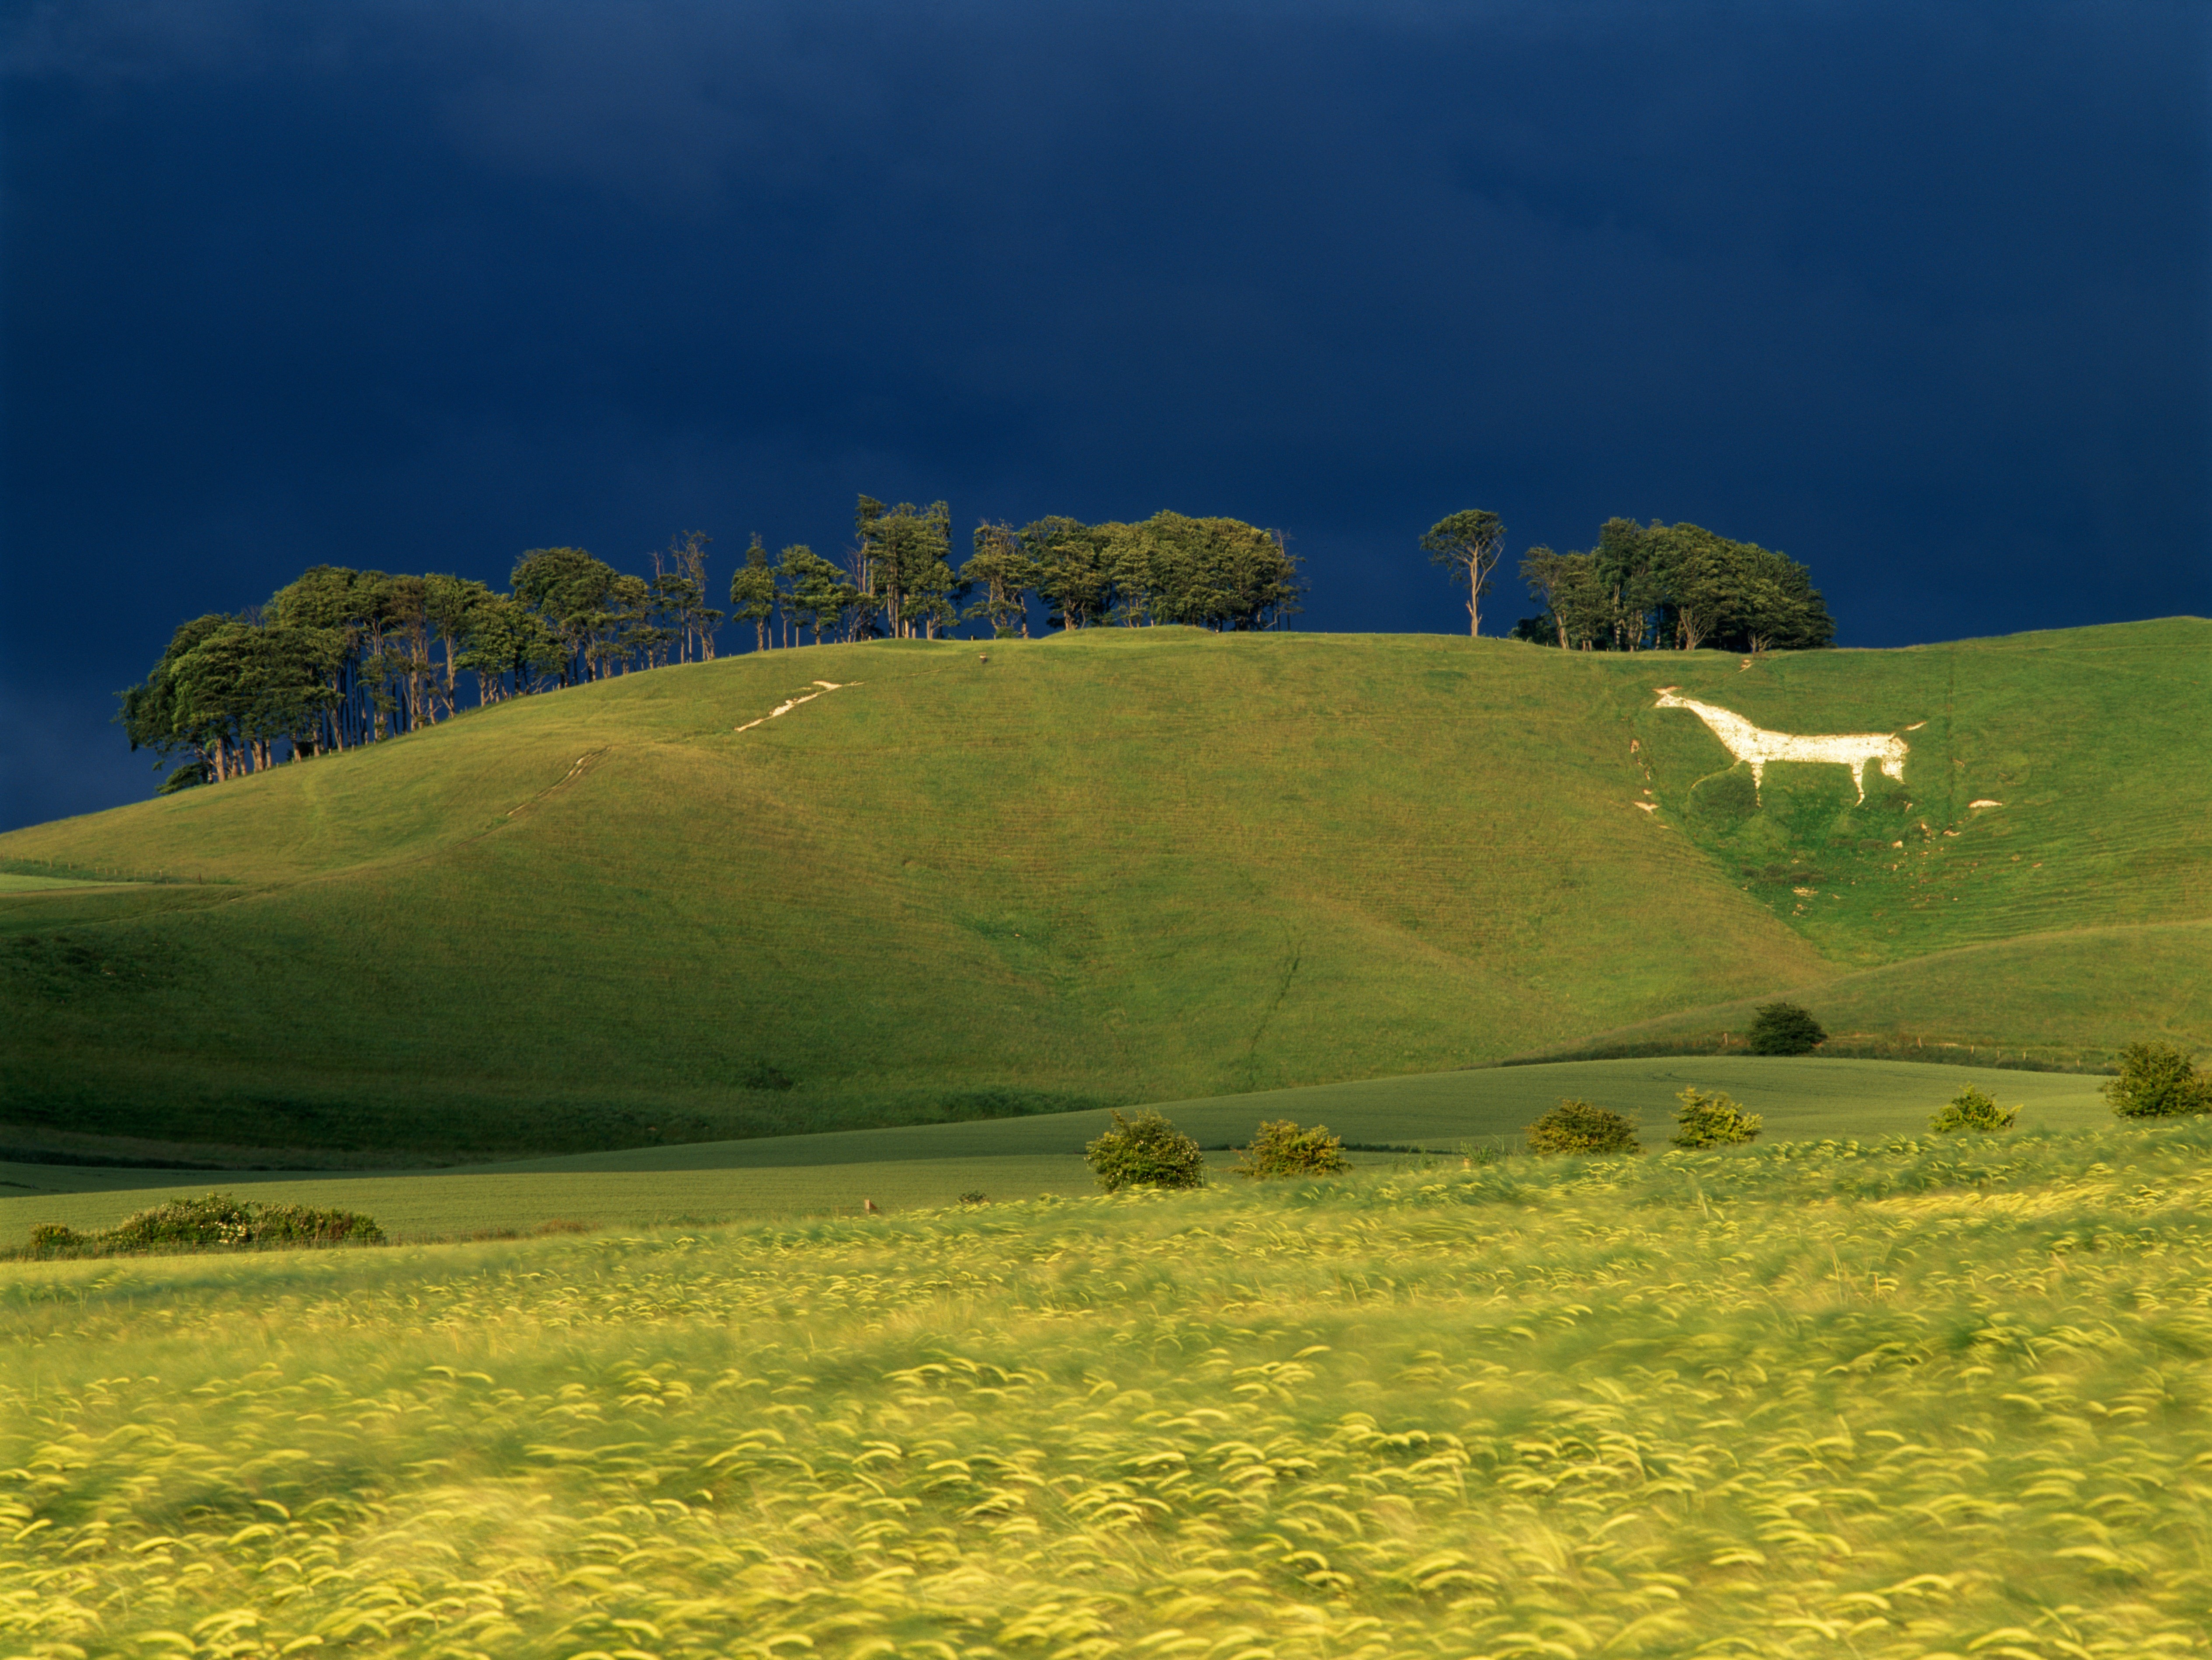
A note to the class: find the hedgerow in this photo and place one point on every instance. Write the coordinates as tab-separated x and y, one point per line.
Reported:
216	1222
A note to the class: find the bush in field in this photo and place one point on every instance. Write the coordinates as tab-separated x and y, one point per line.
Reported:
1582	1127
1785	1029
1713	1121
51	1238
301	1225
1144	1152
217	1220
1973	1109
2157	1080
211	1223
1282	1148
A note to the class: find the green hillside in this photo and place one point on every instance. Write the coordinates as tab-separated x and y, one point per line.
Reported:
1124	865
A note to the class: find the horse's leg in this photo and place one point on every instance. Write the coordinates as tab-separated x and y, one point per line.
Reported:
1758	777
1859	777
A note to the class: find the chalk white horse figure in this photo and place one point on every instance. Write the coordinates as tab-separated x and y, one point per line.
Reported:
1756	746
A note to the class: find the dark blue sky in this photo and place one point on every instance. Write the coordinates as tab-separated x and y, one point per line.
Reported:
1920	294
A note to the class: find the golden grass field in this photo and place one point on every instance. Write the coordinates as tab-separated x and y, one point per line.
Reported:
1893	1401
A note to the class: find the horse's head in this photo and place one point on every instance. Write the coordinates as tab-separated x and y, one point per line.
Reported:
1667	700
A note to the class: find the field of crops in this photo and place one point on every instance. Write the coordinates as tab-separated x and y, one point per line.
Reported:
1801	1098
1818	1399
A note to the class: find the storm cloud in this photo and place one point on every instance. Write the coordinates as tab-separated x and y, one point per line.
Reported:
1917	294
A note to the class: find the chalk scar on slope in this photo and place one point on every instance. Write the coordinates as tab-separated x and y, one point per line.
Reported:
574	772
786	707
1758	748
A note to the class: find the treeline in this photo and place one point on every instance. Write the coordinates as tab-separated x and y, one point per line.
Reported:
341	657
1648	586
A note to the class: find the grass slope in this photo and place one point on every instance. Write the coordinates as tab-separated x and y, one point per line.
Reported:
1806	1098
1893	1403
1121	866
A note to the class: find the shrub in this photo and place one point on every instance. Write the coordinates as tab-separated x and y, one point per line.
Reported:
973	1197
1714	1121
1282	1148
1144	1152
298	1224
1972	1110
2157	1080
217	1220
50	1238
1785	1029
1580	1127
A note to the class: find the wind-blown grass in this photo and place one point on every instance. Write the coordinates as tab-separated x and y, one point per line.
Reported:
1928	1398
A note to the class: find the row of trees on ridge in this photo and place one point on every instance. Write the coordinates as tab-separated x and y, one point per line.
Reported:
1643	587
340	658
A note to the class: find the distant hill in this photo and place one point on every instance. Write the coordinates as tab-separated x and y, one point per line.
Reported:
1118	866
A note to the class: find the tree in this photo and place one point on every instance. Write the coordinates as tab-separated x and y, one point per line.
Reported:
1279	1147
1071	578
753	592
1972	1108
451	605
351	603
2158	1080
624	629
1621	563
1219	573
1698	579
1002	569
1144	1152
1468	545
1577	608
790	572
574	595
1713	1121
150	716
685	588
1780	608
1785	1029
814	592
908	551
245	687
1137	561
1703	587
508	648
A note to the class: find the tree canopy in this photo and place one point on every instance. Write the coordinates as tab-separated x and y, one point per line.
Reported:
1468	545
1647	587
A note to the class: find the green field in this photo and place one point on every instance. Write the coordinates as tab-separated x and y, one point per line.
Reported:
1127	865
1807	1098
18	882
1895	1403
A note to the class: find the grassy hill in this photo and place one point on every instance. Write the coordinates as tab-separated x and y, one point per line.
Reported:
1894	1402
1121	866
